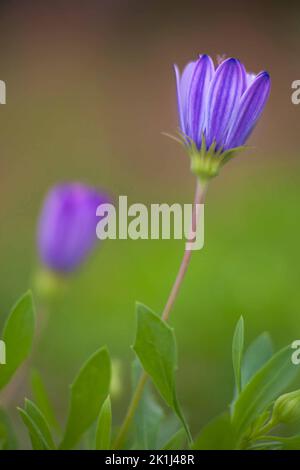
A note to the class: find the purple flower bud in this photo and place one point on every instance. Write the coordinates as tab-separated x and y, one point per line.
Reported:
67	225
219	107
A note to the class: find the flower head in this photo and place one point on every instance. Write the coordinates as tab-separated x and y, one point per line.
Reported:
218	109
67	226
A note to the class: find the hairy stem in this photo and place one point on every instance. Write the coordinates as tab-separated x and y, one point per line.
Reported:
199	199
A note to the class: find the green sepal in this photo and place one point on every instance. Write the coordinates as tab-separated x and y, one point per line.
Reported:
206	163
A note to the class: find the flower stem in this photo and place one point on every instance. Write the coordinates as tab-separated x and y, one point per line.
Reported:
199	199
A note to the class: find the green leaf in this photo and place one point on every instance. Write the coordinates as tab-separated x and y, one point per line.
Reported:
216	435
259	423
8	439
42	400
18	336
168	428
103	431
155	346
37	439
88	392
257	354
176	442
40	421
148	416
265	386
288	443
265	444
276	442
237	352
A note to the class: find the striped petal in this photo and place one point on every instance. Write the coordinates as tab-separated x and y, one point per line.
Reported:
250	78
179	99
183	87
200	81
223	99
251	106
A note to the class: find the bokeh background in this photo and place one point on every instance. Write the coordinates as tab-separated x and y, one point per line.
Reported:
90	88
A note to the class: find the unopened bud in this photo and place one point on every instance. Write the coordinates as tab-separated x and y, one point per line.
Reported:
287	408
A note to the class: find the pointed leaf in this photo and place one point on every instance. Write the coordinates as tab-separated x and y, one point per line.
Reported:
103	432
237	352
148	416
155	347
257	354
42	400
37	439
18	336
264	387
88	392
39	419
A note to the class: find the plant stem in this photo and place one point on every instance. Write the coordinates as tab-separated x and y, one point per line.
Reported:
130	412
199	199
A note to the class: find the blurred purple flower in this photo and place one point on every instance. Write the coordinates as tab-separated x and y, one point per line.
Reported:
67	225
219	106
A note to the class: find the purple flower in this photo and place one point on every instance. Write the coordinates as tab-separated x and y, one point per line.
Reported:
67	225
219	107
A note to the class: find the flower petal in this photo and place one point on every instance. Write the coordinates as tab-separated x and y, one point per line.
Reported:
200	81
183	88
223	99
185	85
251	106
250	78
67	225
179	99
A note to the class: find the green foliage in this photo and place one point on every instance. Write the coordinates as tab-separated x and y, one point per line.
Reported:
8	440
288	443
88	393
264	378
176	441
88	400
257	354
37	416
18	336
260	378
148	417
237	352
103	431
217	435
155	346
263	388
41	398
38	441
37	425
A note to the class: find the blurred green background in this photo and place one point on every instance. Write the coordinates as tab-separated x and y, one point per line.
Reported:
90	88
